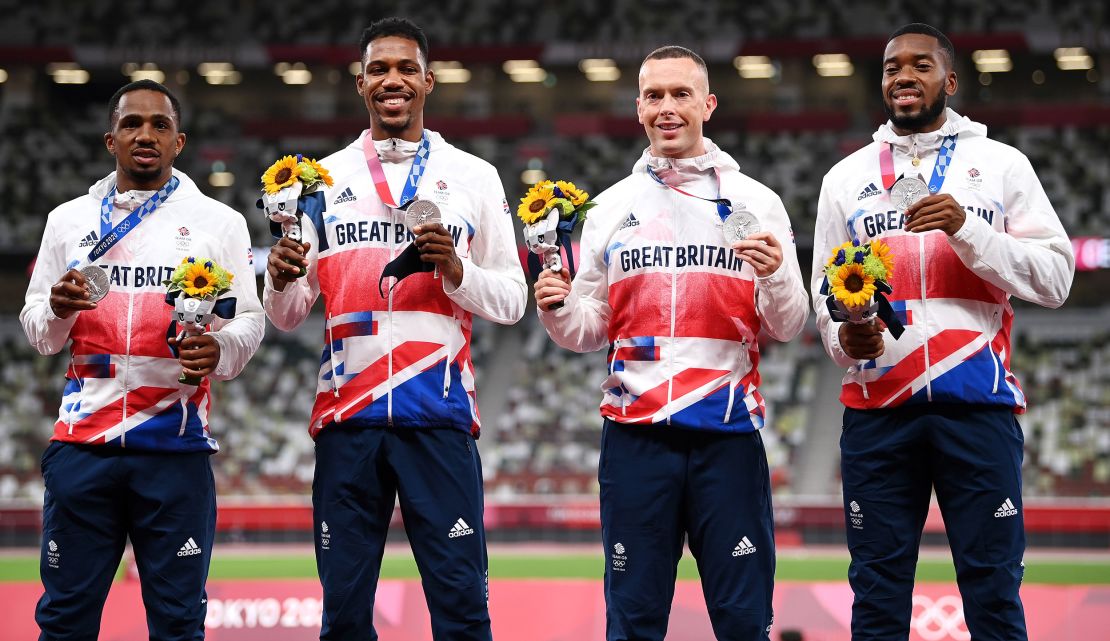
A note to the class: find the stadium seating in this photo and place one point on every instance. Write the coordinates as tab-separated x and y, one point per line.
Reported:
51	149
500	22
68	152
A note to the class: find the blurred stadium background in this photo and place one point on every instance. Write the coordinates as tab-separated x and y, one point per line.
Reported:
547	90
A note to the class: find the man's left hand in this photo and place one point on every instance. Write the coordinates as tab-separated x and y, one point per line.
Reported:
761	250
940	211
437	246
198	355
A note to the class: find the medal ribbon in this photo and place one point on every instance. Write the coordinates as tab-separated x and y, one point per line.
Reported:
109	235
940	168
724	205
419	162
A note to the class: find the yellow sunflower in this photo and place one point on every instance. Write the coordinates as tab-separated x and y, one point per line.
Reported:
882	251
852	286
199	281
280	175
536	202
575	195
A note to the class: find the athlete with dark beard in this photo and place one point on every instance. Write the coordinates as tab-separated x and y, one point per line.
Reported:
935	410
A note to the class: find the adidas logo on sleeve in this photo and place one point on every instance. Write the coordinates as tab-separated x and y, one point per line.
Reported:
630	222
1006	509
460	528
345	197
868	191
744	547
190	548
89	240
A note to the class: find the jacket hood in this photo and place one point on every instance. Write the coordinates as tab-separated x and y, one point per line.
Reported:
396	149
954	123
679	170
103	187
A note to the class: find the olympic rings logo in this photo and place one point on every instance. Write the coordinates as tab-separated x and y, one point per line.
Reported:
940	619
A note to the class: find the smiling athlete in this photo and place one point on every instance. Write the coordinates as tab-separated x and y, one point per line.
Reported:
934	410
396	412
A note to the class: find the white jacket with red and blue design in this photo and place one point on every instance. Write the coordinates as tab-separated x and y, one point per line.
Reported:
678	309
951	293
121	386
404	359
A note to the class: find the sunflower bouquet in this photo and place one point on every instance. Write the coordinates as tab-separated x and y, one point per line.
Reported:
857	277
290	188
192	289
550	211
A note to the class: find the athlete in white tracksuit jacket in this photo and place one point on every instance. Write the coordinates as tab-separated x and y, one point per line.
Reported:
681	310
396	412
121	385
129	459
935	409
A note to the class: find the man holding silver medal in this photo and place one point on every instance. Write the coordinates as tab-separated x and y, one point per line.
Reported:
417	238
935	410
129	458
683	266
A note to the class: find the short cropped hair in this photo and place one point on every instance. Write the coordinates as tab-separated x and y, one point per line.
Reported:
928	30
675	51
141	85
402	27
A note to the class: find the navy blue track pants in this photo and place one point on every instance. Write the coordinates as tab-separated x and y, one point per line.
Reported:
98	497
660	484
891	461
437	476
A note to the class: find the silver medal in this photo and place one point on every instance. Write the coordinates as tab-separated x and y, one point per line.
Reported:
740	224
422	212
908	191
96	279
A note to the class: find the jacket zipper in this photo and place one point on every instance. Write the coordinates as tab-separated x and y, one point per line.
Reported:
731	400
994	357
389	346
80	394
331	357
447	370
674	298
127	368
925	319
613	370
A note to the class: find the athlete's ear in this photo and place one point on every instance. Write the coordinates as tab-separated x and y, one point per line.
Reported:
710	107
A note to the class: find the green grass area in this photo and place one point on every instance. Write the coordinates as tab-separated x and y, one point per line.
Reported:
586	566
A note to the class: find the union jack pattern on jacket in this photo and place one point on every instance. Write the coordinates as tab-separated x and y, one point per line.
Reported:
121	386
678	309
403	360
951	293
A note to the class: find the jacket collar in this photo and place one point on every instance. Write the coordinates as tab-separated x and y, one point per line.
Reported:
102	187
680	170
397	150
954	124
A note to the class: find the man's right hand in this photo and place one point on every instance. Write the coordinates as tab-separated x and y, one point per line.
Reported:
286	257
862	341
551	288
70	295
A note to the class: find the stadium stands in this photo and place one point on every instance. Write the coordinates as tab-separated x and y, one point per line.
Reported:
68	155
494	22
785	132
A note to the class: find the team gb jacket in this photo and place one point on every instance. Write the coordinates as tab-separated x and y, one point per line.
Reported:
678	309
402	360
121	385
951	293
